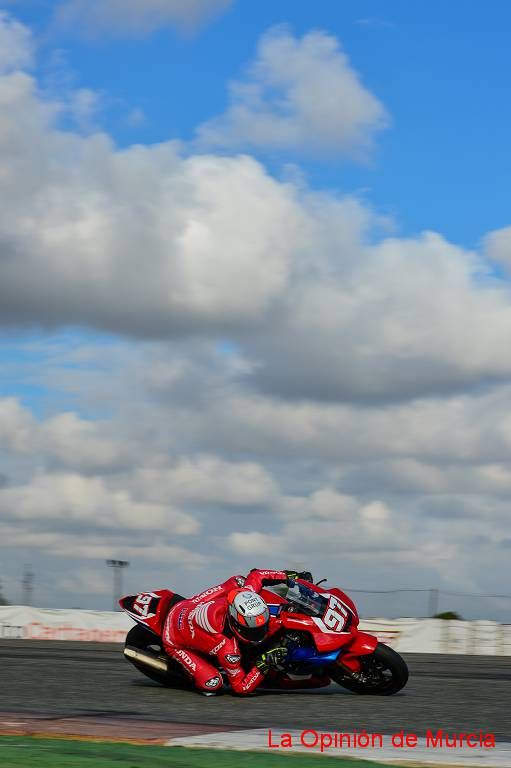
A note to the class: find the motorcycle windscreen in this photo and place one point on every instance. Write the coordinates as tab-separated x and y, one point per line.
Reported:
306	601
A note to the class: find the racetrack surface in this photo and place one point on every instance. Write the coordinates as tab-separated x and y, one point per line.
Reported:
459	694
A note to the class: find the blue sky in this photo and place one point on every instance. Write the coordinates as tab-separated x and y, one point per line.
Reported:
224	335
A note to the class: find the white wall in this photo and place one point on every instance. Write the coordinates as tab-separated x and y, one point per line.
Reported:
407	635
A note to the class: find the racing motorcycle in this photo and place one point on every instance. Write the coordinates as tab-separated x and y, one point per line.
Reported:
318	626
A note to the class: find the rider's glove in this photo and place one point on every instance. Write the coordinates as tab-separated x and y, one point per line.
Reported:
306	576
292	575
271	659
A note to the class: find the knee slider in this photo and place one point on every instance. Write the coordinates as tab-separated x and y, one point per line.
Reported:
213	684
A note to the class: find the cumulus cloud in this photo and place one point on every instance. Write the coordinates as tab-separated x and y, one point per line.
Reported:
93	546
209	480
151	243
497	245
16	44
72	497
411	319
210	238
136	17
64	440
329	485
299	94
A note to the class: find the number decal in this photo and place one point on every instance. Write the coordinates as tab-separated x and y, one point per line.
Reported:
335	615
142	603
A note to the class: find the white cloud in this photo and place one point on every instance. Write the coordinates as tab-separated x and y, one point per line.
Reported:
254	544
16	44
63	440
299	94
94	546
497	246
328	523
136	17
210	238
145	242
413	318
75	498
207	479
410	486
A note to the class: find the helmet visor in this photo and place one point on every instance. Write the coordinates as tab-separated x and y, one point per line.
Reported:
252	634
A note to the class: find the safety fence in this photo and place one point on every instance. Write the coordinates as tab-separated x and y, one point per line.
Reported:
407	635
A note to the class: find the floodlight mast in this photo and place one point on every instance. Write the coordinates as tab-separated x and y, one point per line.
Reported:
117	566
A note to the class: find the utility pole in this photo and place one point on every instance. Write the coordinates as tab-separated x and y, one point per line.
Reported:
27	587
117	566
433	602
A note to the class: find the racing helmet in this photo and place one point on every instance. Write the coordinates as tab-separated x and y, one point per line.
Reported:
248	616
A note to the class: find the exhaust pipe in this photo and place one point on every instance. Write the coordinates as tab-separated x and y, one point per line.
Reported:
134	654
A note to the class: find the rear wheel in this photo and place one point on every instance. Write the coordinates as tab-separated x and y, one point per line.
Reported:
143	640
383	673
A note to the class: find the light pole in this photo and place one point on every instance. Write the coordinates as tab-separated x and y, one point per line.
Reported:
117	566
433	602
27	584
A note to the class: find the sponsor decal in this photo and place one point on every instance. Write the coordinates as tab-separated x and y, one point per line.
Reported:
215	650
200	616
38	631
240	581
190	624
213	682
253	677
7	631
233	672
232	658
180	618
252	602
206	593
187	660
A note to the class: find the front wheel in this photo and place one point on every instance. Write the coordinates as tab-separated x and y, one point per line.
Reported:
383	673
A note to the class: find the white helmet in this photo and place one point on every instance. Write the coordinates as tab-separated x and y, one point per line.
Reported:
248	616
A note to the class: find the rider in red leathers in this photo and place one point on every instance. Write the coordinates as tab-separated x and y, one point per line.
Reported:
213	623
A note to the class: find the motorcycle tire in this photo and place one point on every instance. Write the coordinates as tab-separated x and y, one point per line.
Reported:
141	638
385	670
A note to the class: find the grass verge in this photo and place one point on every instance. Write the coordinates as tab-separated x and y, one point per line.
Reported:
25	752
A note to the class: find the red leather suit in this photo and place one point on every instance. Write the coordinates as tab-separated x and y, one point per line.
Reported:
197	628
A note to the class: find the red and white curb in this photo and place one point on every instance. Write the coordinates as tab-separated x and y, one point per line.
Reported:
258	739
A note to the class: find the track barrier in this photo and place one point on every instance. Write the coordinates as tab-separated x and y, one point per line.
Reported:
405	635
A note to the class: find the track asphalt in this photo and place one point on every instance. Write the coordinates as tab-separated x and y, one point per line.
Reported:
84	682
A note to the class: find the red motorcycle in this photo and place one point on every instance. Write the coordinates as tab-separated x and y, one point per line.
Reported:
319	627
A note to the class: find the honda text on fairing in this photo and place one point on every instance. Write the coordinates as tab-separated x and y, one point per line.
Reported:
315	629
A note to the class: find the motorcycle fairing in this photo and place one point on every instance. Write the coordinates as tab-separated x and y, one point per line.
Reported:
150	608
361	645
326	639
310	655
